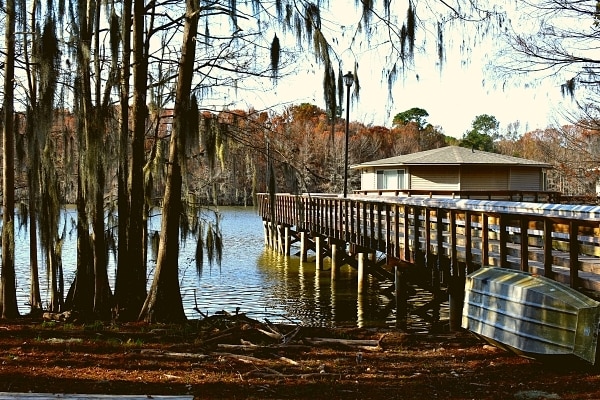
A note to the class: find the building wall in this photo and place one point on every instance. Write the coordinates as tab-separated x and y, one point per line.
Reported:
465	178
526	179
368	179
434	178
482	178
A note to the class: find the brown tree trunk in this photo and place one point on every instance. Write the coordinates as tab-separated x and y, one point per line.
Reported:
35	298
8	291
103	302
80	297
164	301
130	286
92	130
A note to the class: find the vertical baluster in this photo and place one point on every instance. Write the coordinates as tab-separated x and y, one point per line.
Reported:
573	254
548	228
416	245
406	234
503	240
388	230
428	258
468	242
485	240
524	225
397	230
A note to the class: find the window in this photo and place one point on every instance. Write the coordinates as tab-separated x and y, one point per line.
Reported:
391	179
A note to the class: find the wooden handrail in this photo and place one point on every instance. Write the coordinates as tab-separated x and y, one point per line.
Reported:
559	241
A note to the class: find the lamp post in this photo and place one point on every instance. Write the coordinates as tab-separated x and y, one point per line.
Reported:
268	163
348	81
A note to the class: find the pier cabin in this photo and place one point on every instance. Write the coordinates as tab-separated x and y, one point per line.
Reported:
455	172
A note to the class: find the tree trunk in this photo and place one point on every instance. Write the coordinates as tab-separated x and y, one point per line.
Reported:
35	298
164	303
130	286
8	290
123	276
80	297
91	119
102	295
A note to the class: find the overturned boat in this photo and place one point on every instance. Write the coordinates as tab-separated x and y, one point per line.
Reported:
530	314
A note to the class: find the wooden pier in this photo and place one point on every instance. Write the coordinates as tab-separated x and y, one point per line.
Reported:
434	242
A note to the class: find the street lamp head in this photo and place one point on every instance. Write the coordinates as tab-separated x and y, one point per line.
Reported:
348	79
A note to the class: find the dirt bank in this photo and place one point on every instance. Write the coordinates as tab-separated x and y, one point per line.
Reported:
241	359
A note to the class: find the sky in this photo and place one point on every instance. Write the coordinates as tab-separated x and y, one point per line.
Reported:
453	97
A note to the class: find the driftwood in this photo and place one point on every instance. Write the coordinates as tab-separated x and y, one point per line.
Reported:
288	360
246	340
254	347
67	316
363	344
173	355
272	335
242	358
311	375
347	342
262	345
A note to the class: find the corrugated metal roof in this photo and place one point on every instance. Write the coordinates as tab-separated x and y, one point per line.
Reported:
452	155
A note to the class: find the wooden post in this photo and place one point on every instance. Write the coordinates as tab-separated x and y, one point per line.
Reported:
319	252
456	296
286	239
334	262
271	235
360	310
401	298
436	271
302	247
361	271
265	233
456	282
280	239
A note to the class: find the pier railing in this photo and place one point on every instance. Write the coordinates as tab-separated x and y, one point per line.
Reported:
559	241
502	195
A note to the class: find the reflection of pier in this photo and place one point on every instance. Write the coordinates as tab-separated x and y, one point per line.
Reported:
309	295
432	243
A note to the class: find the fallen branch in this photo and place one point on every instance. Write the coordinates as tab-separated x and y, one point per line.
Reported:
348	342
288	338
272	335
288	360
261	374
242	358
172	355
363	344
254	347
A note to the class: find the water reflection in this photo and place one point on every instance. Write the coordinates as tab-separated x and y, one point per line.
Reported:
308	295
262	282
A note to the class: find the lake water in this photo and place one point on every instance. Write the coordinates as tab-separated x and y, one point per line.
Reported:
261	282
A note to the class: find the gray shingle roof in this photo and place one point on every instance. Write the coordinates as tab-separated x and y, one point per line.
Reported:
452	155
